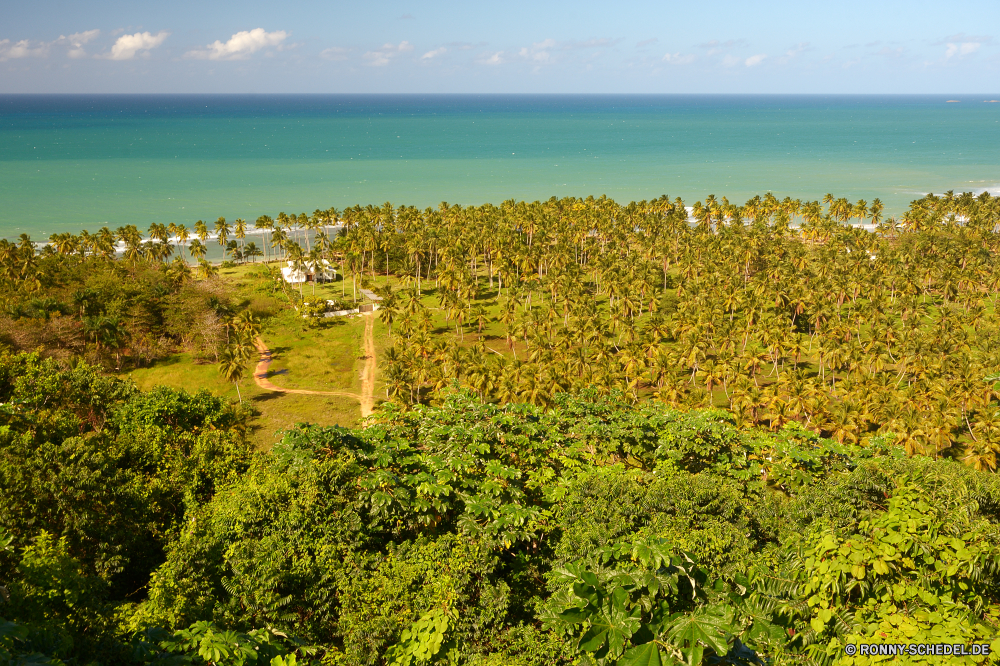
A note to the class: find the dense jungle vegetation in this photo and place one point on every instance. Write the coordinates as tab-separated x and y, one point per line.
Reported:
613	436
71	301
141	528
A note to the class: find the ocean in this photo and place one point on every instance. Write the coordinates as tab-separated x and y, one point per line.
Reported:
72	162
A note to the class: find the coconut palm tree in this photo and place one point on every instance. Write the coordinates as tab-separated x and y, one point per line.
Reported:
233	366
222	230
240	231
201	231
182	236
265	224
197	249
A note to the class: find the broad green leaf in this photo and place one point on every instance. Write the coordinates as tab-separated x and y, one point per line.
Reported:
588	592
575	615
710	625
647	654
593	639
693	655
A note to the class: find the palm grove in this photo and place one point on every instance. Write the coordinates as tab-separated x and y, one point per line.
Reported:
846	331
531	494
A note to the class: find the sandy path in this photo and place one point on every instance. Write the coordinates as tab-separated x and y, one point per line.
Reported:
367	397
368	375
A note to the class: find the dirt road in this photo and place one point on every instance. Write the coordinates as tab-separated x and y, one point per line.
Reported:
367	397
368	375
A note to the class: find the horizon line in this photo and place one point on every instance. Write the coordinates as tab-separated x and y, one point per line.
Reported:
524	94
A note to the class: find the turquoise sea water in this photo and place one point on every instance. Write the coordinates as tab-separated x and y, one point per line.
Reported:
74	162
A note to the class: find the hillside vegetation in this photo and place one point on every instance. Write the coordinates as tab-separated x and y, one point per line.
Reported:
611	436
144	528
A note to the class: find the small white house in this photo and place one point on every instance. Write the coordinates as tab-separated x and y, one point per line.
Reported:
318	272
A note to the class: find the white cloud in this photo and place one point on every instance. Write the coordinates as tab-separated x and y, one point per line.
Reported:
538	51
730	60
495	59
433	54
334	53
79	38
678	59
241	45
23	49
755	60
961	49
383	56
128	46
465	46
76	42
715	46
27	49
797	49
542	52
793	52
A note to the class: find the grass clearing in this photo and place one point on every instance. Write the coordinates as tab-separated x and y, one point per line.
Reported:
183	371
327	357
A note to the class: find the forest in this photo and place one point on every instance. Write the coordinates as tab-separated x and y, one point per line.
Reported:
615	435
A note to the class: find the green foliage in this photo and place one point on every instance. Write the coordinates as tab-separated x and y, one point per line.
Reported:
110	469
636	604
729	524
910	571
95	479
422	641
481	534
15	648
58	609
125	312
281	530
206	644
384	595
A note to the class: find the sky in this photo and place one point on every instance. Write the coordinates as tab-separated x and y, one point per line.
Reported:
514	46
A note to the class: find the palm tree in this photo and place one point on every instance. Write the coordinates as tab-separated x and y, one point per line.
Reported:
240	231
264	223
279	238
251	250
197	249
206	269
233	366
182	236
297	258
222	230
201	230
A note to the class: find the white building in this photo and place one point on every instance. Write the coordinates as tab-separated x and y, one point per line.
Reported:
321	272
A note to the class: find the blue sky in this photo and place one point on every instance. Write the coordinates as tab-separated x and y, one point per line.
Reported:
777	46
